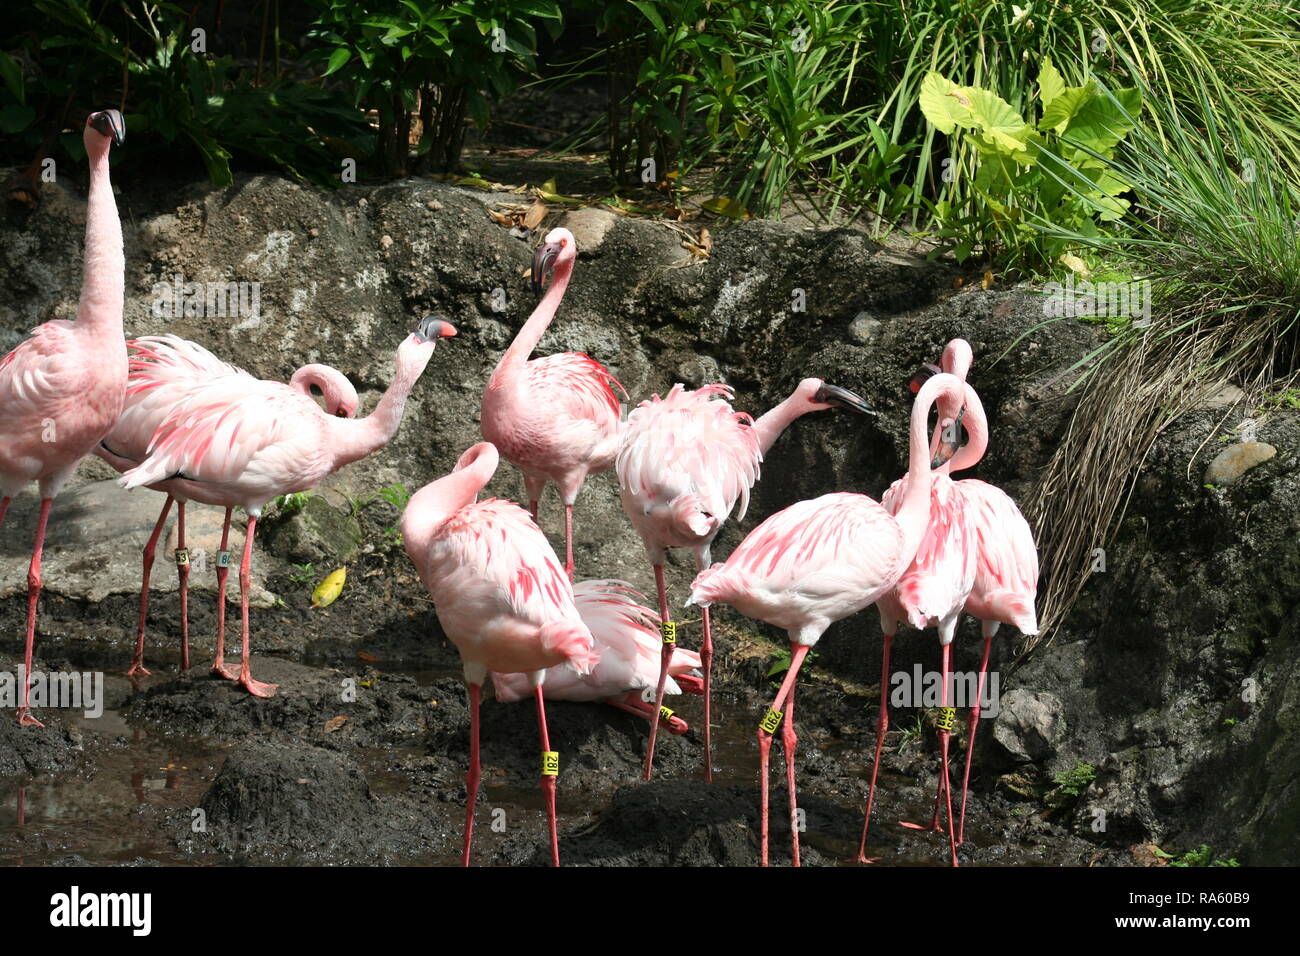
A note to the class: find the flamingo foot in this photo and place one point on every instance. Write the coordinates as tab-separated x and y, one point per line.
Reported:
862	858
138	669
228	671
25	718
257	688
932	825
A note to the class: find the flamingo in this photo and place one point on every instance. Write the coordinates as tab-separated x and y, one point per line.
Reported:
502	598
685	462
556	418
817	562
1004	583
61	390
237	441
627	636
162	370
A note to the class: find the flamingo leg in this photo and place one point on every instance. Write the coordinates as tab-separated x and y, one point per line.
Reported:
254	687
633	704
472	777
568	541
788	743
706	660
665	658
183	573
219	665
150	552
882	725
4	509
532	509
25	717
943	749
797	653
548	780
970	740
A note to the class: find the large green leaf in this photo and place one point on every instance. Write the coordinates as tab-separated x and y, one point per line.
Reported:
1100	123
944	103
1050	83
997	118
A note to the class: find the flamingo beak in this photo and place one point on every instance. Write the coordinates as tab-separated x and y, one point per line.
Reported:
542	263
109	123
843	398
924	373
949	444
433	328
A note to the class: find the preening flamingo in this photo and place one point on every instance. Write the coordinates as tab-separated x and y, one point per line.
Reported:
627	637
1004	585
163	369
502	598
817	562
556	418
685	462
61	390
238	441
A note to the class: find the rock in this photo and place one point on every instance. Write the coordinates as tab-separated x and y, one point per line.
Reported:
434	205
1225	397
385	242
590	226
1029	724
864	328
318	534
1234	461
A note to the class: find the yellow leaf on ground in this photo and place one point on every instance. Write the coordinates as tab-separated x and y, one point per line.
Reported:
327	591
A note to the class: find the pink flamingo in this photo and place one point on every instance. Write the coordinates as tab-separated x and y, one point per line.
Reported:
685	462
627	637
237	441
61	389
556	418
500	595
162	371
817	562
1004	584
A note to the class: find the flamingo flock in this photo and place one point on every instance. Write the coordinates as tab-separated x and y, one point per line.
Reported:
169	415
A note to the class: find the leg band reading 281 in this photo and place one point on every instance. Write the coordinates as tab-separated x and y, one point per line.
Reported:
550	763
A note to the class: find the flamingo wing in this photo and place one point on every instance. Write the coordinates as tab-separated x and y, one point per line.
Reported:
42	370
941	575
578	384
1007	559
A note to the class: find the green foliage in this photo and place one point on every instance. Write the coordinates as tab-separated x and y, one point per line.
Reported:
286	506
448	61
1077	779
302	574
396	495
1056	170
1202	856
781	664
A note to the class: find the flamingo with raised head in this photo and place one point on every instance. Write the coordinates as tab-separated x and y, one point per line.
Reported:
628	638
1005	583
61	390
817	562
556	418
502	598
163	369
238	441
686	461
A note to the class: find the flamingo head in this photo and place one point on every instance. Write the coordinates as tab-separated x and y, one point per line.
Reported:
558	247
102	128
432	328
823	395
330	386
950	413
484	455
957	358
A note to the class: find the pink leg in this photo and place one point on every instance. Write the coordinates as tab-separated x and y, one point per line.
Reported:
532	509
472	777
25	717
568	541
150	552
4	509
548	782
943	749
633	704
788	742
706	660
183	572
797	653
970	740
256	688
219	665
882	725
666	656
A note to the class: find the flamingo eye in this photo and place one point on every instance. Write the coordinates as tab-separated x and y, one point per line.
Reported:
563	243
341	413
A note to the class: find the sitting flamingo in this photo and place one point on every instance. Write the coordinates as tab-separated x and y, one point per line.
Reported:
627	637
502	598
1004	581
819	561
686	461
162	370
237	441
556	418
61	390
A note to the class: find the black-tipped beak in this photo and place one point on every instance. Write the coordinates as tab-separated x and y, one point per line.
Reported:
432	328
542	262
923	374
109	123
843	398
949	441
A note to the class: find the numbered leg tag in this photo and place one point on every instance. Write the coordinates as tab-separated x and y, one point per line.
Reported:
182	557
771	720
946	718
668	631
666	713
223	559
550	763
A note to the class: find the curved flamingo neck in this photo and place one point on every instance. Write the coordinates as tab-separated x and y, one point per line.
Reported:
431	506
976	424
913	514
769	427
354	439
103	276
522	347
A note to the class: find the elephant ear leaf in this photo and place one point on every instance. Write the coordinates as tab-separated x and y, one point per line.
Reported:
997	119
1050	84
944	103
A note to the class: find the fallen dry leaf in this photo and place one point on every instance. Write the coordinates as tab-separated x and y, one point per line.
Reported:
334	723
534	216
987	281
368	658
